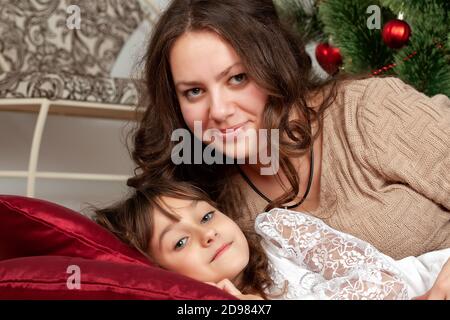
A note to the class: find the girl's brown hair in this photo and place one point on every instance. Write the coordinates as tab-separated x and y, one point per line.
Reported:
132	222
273	56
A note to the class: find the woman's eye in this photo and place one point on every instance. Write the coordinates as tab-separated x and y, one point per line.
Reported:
181	244
239	78
207	217
192	93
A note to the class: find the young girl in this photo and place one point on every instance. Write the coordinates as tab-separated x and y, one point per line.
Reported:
291	256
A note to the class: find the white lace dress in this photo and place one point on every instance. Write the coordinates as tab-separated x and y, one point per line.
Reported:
313	261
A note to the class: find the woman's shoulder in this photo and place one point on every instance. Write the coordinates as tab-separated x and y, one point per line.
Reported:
370	99
385	91
372	88
350	92
379	98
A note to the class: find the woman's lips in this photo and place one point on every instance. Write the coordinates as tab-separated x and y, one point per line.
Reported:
232	131
233	128
221	250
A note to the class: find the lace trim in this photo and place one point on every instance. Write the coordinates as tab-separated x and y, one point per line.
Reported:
330	264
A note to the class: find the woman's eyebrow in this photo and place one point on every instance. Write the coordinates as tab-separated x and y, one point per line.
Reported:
225	72
218	77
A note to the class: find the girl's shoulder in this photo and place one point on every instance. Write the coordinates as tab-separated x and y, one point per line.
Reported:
277	215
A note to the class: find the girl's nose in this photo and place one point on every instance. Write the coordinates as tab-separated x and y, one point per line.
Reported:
209	236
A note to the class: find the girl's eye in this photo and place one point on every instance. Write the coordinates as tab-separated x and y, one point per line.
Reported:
192	93
207	217
181	244
240	78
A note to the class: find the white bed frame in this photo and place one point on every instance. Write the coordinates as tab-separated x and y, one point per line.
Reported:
45	107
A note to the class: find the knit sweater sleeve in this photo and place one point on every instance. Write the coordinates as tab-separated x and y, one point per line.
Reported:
407	137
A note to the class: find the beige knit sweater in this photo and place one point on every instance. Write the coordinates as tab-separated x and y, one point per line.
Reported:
385	167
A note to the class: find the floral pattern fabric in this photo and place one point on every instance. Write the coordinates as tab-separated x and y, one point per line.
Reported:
68	86
43	57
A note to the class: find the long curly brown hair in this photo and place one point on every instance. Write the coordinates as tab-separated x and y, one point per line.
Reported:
131	221
274	57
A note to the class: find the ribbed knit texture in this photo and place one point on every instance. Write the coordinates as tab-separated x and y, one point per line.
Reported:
385	167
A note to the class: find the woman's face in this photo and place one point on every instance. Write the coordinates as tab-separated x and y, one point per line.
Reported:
200	242
214	88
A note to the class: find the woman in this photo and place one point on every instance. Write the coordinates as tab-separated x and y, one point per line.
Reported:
370	157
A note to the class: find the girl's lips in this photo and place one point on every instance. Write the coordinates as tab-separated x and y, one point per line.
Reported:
221	250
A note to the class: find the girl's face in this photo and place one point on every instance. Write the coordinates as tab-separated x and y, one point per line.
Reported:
203	243
213	87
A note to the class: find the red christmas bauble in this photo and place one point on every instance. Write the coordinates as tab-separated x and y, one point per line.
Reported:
328	57
396	33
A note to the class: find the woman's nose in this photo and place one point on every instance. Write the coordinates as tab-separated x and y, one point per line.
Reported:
220	108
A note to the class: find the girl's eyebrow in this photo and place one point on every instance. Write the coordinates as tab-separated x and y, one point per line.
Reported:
163	233
218	77
193	204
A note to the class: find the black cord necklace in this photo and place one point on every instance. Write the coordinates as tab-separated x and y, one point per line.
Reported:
311	174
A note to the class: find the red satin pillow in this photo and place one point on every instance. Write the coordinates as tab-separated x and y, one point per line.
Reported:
47	277
33	227
40	239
